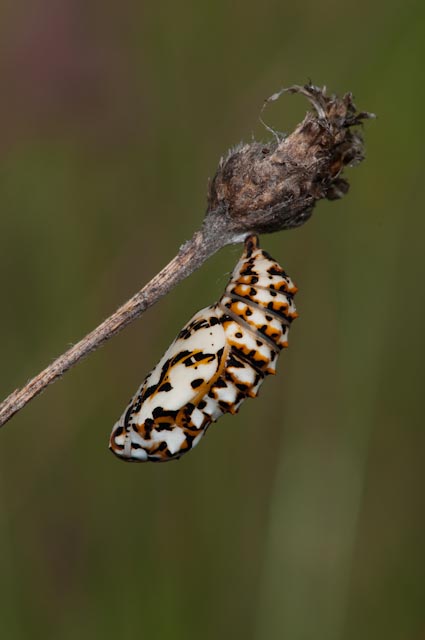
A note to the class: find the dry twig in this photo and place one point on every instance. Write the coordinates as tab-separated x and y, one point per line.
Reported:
258	188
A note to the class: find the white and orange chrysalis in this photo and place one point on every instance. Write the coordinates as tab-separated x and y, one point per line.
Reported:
217	360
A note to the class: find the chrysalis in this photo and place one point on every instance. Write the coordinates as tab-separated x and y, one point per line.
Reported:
217	360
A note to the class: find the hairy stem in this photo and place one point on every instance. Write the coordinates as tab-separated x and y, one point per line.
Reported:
191	256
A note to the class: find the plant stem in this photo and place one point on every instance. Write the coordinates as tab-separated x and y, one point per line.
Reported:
189	258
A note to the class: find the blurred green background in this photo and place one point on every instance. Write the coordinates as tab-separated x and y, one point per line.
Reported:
303	517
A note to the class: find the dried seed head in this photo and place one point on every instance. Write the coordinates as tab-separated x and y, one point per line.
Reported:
269	187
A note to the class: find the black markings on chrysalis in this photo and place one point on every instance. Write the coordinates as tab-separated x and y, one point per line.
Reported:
217	360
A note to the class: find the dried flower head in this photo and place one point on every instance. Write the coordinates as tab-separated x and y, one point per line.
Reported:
268	187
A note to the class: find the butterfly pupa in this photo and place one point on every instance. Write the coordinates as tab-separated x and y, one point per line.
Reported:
218	359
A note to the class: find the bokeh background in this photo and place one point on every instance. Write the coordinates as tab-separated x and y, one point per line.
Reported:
303	517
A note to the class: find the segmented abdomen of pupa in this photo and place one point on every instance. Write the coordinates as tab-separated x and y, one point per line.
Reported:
217	360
